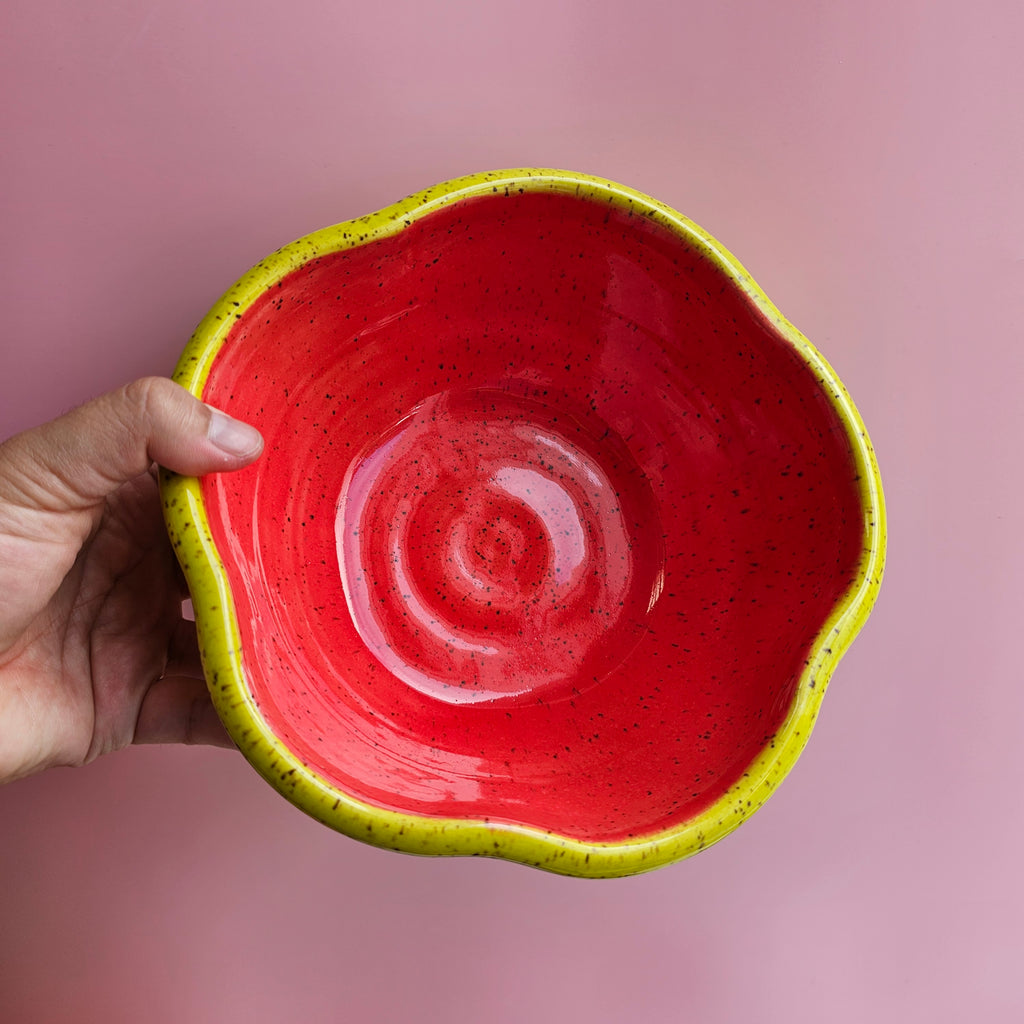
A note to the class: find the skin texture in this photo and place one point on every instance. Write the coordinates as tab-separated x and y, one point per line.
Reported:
95	653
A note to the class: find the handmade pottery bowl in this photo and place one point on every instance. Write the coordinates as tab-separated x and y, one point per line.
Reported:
558	535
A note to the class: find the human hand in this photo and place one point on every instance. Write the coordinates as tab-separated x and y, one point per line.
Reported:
94	651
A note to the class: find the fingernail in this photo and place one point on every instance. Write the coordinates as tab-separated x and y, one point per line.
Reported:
232	436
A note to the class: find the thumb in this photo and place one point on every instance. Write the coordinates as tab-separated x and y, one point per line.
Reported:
74	462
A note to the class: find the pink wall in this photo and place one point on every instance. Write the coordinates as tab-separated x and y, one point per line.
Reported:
865	161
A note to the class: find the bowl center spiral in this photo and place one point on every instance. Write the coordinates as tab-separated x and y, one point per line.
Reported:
492	547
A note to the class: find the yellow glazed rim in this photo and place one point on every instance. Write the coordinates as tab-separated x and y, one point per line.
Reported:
217	626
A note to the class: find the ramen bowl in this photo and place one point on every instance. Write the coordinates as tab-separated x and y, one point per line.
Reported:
558	534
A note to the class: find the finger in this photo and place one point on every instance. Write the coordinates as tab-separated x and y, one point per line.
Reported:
179	710
183	657
77	460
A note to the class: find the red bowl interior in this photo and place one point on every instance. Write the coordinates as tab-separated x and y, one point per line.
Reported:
548	518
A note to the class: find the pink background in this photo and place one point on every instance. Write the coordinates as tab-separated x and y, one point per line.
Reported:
864	160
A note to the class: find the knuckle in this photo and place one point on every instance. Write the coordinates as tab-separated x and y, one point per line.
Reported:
157	403
143	394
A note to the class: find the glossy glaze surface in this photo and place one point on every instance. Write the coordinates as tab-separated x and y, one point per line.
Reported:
549	519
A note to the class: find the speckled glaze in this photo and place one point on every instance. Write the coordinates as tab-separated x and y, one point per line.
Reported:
560	530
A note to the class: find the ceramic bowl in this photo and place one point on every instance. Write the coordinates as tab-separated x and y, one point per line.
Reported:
558	535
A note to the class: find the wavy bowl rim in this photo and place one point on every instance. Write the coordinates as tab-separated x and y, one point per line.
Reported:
216	622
